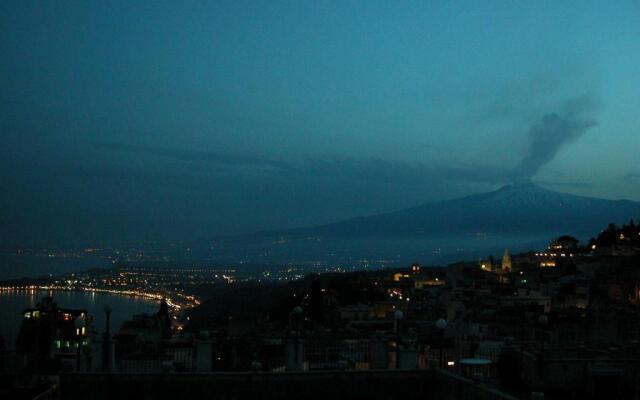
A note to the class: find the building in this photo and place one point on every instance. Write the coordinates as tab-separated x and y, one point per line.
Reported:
486	265
55	338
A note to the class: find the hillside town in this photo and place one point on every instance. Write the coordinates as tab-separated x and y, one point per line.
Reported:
560	322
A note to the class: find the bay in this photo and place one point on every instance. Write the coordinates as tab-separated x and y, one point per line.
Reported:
124	308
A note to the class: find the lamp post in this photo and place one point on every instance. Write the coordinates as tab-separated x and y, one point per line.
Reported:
106	341
522	330
80	323
543	320
441	324
398	316
296	314
107	311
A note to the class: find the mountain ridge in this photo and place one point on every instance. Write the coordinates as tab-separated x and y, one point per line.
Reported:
519	201
522	217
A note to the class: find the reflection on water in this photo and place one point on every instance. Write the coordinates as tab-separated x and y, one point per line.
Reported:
124	307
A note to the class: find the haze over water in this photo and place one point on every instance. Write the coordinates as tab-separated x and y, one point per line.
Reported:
20	266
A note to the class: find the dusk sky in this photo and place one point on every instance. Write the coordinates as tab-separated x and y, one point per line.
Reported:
175	120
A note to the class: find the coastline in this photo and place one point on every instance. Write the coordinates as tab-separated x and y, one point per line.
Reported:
175	305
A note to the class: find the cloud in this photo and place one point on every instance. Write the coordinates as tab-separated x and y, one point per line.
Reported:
577	185
633	176
375	169
334	167
190	155
436	148
552	132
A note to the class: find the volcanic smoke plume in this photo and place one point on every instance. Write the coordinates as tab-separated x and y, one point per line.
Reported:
554	131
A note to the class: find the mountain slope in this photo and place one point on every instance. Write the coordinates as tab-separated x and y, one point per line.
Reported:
521	217
511	209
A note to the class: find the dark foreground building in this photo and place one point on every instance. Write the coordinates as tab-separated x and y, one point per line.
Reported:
54	338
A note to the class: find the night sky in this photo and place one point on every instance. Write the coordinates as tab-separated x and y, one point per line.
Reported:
175	120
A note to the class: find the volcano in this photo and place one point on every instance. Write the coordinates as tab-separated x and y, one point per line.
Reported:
522	217
524	208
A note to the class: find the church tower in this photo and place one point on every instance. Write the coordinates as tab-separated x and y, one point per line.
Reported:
506	261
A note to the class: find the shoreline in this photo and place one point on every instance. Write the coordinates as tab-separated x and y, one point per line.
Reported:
125	293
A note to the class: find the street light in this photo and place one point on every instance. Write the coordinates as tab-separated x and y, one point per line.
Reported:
107	311
543	320
398	316
441	324
80	323
106	339
296	314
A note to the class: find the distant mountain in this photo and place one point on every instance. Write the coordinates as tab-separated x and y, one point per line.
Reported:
514	215
525	208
